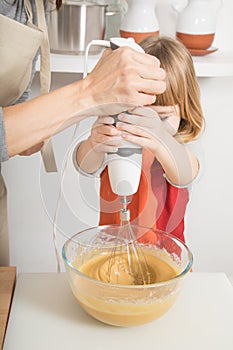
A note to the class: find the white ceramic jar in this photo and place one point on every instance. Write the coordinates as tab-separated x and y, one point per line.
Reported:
196	23
140	20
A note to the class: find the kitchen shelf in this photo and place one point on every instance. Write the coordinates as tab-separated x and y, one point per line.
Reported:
70	63
217	64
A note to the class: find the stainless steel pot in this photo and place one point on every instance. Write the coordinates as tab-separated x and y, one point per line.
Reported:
77	23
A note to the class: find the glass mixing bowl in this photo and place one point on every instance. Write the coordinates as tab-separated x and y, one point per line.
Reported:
125	304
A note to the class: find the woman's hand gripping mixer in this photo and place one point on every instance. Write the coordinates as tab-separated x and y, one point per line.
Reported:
124	168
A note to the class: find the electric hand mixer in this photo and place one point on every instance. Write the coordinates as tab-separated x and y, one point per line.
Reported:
124	168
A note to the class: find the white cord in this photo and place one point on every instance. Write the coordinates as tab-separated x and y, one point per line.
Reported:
103	43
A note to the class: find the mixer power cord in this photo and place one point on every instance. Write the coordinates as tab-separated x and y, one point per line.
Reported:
106	44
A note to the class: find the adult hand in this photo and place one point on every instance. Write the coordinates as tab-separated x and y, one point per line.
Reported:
104	136
123	79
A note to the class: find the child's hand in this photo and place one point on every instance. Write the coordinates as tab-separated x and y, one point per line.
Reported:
104	136
149	130
148	126
170	117
144	128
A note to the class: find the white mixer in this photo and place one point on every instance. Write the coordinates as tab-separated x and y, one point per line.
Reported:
124	166
124	169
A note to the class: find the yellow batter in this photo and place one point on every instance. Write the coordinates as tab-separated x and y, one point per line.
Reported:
127	269
125	306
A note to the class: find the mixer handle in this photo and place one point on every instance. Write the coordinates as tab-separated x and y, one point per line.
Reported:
115	117
126	152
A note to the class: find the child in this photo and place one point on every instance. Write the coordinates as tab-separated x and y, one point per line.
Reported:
163	130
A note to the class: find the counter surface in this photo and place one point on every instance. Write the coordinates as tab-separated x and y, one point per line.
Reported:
45	315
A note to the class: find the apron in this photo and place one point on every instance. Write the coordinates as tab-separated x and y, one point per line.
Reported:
18	47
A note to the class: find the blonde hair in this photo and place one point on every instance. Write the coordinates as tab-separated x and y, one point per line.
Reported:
182	86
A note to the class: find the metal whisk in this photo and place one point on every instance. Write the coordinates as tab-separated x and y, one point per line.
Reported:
127	261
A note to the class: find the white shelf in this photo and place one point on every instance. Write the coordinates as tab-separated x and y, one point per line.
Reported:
217	64
70	63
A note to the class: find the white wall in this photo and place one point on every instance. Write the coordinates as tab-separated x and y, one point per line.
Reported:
209	230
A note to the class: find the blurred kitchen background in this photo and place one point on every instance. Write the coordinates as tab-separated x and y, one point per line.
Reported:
33	194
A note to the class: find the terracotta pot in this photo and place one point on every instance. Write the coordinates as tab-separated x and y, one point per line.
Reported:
138	36
196	41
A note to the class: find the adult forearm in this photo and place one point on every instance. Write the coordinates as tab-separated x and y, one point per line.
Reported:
122	79
31	122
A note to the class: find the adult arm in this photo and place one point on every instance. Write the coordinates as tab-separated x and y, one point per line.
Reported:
121	79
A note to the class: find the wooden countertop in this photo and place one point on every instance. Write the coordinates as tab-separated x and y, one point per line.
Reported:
7	283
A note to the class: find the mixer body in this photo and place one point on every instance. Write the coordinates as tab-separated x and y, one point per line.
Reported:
124	168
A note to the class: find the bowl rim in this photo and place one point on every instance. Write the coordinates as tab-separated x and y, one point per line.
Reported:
124	286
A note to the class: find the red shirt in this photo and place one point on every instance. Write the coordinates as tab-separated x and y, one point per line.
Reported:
156	204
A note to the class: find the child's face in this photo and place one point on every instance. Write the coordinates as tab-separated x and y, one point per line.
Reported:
170	116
